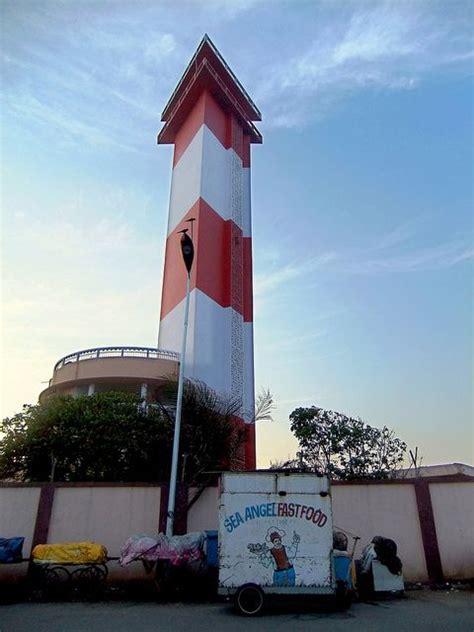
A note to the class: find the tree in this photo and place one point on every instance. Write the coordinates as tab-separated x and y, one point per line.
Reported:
104	437
344	447
211	440
264	406
288	464
112	437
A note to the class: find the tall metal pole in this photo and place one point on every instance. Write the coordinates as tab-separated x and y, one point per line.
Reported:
188	255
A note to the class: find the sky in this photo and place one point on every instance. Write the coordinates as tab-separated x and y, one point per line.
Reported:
362	198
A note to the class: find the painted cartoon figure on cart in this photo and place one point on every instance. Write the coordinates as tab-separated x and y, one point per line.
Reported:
278	555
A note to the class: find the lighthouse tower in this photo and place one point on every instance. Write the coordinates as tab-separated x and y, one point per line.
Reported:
208	119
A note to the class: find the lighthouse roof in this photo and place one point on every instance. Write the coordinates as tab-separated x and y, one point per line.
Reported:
207	70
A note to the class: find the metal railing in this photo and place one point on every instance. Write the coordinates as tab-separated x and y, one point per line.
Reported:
117	352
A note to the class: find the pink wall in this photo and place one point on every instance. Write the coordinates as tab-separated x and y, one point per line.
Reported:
111	513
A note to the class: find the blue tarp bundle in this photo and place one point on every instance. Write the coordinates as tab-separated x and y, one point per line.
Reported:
11	549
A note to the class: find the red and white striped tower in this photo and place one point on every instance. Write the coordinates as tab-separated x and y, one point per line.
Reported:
209	120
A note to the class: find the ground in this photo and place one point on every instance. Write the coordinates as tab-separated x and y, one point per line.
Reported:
419	611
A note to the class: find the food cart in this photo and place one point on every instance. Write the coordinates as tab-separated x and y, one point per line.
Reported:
275	537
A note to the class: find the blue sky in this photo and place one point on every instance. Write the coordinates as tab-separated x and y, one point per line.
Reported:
362	198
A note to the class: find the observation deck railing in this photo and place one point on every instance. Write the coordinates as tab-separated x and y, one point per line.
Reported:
117	352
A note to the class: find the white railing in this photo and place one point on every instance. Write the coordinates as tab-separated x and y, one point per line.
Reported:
117	352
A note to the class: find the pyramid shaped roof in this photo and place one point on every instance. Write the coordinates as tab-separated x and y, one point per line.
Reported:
207	70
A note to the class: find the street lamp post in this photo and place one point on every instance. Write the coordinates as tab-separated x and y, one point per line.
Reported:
187	250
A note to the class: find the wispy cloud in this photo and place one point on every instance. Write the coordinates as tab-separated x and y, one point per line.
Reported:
388	254
397	235
405	248
435	257
390	46
229	9
285	341
99	71
69	129
93	74
97	85
273	278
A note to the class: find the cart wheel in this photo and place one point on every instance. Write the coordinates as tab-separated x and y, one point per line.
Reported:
51	584
89	581
249	600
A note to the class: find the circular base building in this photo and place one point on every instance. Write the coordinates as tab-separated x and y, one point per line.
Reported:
137	370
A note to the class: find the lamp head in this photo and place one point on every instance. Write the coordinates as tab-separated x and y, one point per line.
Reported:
187	249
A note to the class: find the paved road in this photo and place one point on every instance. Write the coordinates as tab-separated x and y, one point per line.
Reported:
422	611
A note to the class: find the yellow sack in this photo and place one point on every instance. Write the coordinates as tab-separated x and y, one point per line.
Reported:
70	553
